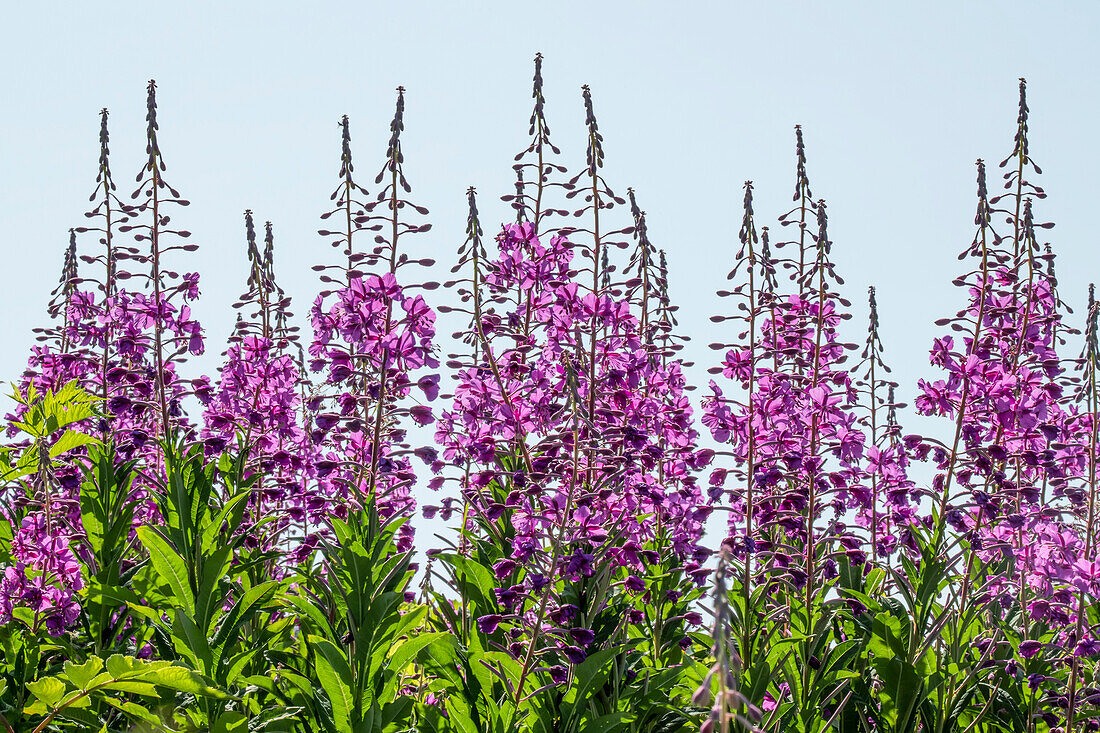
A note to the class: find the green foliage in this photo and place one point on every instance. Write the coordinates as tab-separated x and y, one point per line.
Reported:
354	658
48	420
337	645
71	695
637	676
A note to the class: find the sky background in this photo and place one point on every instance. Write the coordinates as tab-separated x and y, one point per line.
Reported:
693	99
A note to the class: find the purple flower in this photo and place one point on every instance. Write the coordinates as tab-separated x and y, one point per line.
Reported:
504	568
1029	648
1087	648
488	624
582	637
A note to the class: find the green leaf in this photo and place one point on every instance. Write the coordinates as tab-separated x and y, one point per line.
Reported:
471	575
459	715
135	711
182	679
407	650
134	687
192	643
271	718
49	690
230	722
214	526
589	676
411	647
115	594
397	710
607	723
335	677
145	612
82	674
241	613
901	690
71	439
232	667
120	667
308	614
211	596
169	565
140	676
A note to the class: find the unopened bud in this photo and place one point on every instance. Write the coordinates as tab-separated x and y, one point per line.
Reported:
702	697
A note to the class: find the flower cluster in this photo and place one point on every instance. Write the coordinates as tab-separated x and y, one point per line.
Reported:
258	403
1016	477
45	577
372	343
368	343
799	447
575	436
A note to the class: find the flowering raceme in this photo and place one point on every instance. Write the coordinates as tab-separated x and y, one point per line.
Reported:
1016	443
45	578
59	359
893	496
132	341
125	323
1018	476
258	399
372	343
796	433
368	343
582	491
531	393
130	419
258	402
572	428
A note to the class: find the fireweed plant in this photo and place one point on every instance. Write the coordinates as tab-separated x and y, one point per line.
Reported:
188	553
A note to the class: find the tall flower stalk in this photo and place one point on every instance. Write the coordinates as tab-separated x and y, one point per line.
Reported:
369	337
167	313
257	401
890	511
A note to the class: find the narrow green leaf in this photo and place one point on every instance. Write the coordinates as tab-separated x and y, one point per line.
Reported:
169	565
335	677
136	712
407	651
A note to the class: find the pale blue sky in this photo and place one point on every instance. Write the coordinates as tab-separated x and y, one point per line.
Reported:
693	99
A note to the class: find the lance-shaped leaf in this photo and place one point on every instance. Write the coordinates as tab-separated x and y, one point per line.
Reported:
169	566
